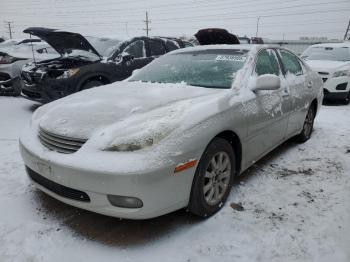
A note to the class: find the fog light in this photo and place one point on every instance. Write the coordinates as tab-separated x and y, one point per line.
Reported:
124	201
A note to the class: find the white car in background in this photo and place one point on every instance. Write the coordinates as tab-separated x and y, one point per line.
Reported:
14	53
332	63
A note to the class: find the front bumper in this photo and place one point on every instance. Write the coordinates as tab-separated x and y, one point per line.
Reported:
159	189
335	95
336	87
10	86
46	90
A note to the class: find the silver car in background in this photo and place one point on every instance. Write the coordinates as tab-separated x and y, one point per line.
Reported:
175	134
14	53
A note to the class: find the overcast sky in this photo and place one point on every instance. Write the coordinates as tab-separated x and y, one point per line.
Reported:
183	17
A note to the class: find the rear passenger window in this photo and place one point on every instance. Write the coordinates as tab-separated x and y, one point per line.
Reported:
267	63
291	63
156	48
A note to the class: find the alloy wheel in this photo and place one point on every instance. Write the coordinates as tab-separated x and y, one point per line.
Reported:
217	178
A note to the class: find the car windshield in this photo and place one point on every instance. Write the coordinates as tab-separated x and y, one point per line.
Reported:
104	46
327	53
203	68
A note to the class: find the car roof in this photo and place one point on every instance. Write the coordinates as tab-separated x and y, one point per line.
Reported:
246	47
344	44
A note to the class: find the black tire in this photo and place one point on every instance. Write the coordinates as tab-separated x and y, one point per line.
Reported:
198	203
90	84
307	126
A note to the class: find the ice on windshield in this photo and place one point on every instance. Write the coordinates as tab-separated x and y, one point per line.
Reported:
204	68
327	53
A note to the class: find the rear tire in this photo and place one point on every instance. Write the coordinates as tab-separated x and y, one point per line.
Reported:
90	84
213	178
308	125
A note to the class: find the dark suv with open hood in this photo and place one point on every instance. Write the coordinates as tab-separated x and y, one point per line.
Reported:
81	66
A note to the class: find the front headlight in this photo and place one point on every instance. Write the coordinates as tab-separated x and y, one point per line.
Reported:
7	59
131	145
69	73
341	73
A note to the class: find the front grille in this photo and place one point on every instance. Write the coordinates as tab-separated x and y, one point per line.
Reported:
57	188
341	86
31	94
58	143
4	76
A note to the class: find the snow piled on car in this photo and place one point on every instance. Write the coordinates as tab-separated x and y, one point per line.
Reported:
295	208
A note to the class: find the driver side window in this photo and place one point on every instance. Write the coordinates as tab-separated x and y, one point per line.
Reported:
267	63
136	49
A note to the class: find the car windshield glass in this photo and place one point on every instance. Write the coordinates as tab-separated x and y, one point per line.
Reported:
104	46
204	68
81	54
327	53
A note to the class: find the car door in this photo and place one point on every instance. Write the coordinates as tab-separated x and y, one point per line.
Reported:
137	56
300	90
265	117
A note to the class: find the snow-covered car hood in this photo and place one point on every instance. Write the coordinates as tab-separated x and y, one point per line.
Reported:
124	108
327	66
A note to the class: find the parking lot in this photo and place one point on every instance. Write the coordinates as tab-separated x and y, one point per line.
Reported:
295	200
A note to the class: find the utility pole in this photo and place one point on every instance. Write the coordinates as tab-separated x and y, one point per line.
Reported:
347	33
147	22
257	26
126	28
8	25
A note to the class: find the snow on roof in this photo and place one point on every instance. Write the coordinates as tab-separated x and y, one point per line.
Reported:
246	47
344	44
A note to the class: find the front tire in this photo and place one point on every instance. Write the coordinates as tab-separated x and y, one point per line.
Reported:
213	178
308	125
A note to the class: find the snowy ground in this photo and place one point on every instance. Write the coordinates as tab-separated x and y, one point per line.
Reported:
296	208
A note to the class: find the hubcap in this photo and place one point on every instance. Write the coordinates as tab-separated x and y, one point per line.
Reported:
309	121
217	178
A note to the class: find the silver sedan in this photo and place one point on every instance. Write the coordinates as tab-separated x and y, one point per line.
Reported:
173	135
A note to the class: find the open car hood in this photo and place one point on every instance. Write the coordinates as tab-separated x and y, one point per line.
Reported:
62	41
216	36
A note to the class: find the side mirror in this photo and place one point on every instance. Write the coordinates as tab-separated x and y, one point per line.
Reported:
267	82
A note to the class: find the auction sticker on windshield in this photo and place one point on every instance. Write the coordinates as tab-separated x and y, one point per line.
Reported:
240	58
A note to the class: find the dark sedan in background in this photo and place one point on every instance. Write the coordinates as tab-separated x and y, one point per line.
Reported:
81	66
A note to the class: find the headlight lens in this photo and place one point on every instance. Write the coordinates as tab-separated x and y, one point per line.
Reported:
69	73
131	146
341	73
6	59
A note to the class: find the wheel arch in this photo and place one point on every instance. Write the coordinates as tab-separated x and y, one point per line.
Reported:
98	77
236	144
314	103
